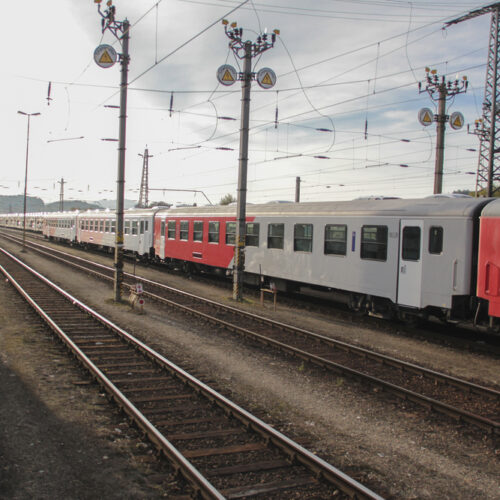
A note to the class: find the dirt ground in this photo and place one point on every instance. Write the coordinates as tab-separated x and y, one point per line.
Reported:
394	448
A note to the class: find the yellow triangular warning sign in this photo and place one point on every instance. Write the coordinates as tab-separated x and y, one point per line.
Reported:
267	79
457	122
105	58
227	76
427	118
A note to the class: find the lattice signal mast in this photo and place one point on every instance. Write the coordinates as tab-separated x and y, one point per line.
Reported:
488	128
144	191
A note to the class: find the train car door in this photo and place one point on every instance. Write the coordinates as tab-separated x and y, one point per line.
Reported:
142	229
410	263
162	238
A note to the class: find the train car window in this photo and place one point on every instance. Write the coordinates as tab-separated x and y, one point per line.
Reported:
374	242
275	235
184	230
127	227
146	225
171	229
198	230
230	233
141	227
411	243
113	225
303	238
436	240
252	236
335	239
162	228
135	227
213	232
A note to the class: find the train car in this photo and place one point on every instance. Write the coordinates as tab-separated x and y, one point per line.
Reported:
98	228
60	226
34	221
416	257
488	279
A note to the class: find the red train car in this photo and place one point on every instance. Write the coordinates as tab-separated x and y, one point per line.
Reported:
488	282
202	238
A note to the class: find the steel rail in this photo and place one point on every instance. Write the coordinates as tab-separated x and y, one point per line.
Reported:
193	476
294	451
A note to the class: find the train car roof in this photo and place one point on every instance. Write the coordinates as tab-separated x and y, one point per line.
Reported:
422	207
492	209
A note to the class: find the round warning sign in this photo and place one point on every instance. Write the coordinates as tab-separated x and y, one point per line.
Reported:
266	78
227	75
425	117
456	120
105	56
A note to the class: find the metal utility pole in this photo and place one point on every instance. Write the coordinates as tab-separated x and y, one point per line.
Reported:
144	191
266	78
104	57
297	189
29	115
441	91
61	195
487	129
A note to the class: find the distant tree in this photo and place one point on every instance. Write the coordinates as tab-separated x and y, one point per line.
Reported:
481	193
464	191
159	204
227	199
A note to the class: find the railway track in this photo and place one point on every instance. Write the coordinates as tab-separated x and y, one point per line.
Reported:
457	398
219	448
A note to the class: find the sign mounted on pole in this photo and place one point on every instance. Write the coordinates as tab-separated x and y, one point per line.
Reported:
266	78
227	75
425	117
456	120
105	56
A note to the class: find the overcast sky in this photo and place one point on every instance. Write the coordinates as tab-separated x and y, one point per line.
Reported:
343	66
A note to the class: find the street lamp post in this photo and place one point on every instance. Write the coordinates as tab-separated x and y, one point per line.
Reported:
29	115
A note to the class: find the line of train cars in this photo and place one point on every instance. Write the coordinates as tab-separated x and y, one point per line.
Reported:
436	256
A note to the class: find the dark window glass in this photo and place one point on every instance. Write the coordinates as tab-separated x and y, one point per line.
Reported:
335	239
302	237
374	242
127	227
108	225
146	225
230	233
198	230
213	232
113	225
411	243
171	230
252	236
275	235
162	228
135	227
141	227
436	240
184	230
